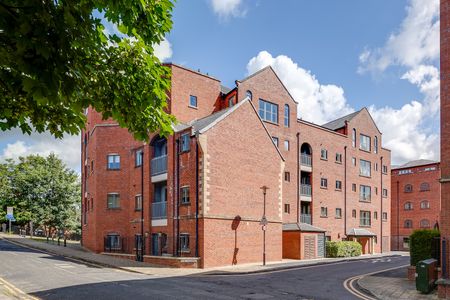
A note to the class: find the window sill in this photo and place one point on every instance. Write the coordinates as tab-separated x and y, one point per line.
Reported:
324	216
185	250
193	107
114	208
365	226
338	162
365	201
112	169
137	210
324	188
363	150
365	176
338	218
270	122
326	159
138	166
185	203
338	190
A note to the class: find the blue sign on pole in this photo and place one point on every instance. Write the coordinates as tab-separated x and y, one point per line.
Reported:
10	217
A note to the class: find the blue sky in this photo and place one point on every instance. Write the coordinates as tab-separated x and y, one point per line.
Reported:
334	57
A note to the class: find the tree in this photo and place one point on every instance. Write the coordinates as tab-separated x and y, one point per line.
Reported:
42	190
56	60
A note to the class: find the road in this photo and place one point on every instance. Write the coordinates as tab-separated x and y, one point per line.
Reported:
51	277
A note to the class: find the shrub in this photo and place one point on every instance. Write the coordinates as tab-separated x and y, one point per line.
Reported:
420	244
343	249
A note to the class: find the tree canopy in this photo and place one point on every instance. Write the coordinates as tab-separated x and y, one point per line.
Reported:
42	190
56	60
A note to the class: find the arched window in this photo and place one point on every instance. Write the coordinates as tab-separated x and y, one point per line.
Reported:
424	223
408	206
424	186
286	115
425	204
408	224
408	188
249	95
354	137
375	144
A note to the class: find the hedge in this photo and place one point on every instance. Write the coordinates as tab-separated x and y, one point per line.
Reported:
420	244
343	249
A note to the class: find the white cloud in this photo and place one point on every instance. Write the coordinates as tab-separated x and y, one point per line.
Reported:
416	42
18	144
228	8
163	50
318	103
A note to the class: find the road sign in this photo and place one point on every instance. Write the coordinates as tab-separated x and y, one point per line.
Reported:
10	217
10	210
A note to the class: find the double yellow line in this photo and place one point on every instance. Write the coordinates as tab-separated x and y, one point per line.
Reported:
16	292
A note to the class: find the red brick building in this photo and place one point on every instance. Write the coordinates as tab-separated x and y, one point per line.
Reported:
416	200
200	189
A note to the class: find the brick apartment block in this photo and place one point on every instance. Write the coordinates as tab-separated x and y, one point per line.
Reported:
202	186
416	200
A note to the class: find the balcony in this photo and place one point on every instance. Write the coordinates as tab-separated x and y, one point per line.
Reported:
305	192
306	162
159	168
159	213
305	218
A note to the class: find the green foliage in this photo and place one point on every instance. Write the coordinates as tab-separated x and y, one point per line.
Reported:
41	190
420	244
343	249
56	60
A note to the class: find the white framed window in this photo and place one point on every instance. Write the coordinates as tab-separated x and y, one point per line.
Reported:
408	224
286	115
364	168
193	101
354	161
324	211
408	206
364	218
338	157
138	158
424	223
375	144
184	194
286	145
384	216
268	111
338	213
287	208
365	193
354	137
385	193
185	142
364	142
323	154
408	188
138	202
113	200
275	140
424	186
323	182
425	204
338	185
113	162
184	241
287	176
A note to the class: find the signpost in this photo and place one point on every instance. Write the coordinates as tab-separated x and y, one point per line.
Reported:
263	224
10	216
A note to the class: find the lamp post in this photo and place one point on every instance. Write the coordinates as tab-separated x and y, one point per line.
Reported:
263	224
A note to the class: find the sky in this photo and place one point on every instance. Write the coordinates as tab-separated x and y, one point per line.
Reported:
334	57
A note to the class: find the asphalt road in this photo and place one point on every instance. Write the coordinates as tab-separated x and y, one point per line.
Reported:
52	277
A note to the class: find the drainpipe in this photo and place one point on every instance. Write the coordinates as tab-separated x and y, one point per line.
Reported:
381	197
298	177
398	215
196	193
142	206
176	193
345	191
175	149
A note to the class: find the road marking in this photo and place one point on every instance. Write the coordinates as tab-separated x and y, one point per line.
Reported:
16	291
348	283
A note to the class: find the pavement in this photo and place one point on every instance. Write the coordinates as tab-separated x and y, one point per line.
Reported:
41	275
392	284
75	252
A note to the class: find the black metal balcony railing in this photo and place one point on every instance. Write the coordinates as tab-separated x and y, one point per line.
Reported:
159	210
306	160
305	218
159	165
305	190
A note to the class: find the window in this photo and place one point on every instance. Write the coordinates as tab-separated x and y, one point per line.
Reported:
113	241
275	140
385	193
424	223
287	208
231	101
113	162
364	142
364	193
375	215
338	185
406	242
430	169
268	111
408	188
354	213
375	144
286	145
287	176
92	166
192	101
403	172
323	183
384	216
375	166
138	202
249	95
338	157
354	137
323	154
184	194
138	158
424	204
184	241
113	200
353	187
354	161
364	218
324	211
376	190
338	213
424	186
364	168
185	143
286	115
407	224
385	169
408	206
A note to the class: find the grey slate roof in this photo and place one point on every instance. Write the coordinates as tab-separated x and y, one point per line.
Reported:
415	163
360	232
339	123
301	227
224	89
198	125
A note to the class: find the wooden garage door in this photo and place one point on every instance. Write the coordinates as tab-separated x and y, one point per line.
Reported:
310	249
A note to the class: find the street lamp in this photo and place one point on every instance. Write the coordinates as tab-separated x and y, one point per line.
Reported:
263	224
